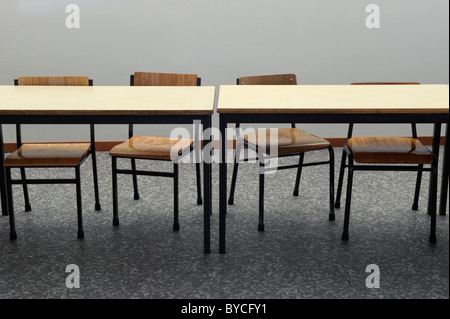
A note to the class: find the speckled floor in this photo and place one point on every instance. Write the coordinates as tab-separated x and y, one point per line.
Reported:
300	255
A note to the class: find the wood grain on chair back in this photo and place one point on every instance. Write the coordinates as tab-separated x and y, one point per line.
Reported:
277	79
54	80
164	79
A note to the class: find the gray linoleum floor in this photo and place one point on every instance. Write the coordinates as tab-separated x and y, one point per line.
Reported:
300	255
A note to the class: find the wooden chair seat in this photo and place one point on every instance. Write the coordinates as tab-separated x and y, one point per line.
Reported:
389	150
48	155
289	141
150	147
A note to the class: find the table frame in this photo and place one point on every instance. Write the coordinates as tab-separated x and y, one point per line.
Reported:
178	118
326	118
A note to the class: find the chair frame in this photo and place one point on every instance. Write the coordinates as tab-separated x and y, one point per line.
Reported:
419	168
367	167
134	172
24	181
415	205
343	166
240	143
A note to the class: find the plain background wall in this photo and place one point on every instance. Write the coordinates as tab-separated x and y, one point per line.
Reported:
322	41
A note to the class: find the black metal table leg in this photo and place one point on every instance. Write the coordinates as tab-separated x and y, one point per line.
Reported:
433	183
207	181
222	186
114	192
12	222
3	192
433	201
445	176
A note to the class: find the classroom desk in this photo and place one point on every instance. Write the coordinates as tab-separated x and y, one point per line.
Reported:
109	105
329	104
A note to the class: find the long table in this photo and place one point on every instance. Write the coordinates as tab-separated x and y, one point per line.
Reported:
330	104
109	105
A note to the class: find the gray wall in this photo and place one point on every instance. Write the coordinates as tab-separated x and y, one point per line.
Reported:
322	41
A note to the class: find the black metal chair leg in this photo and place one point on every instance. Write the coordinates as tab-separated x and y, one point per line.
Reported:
25	190
261	196
331	215
199	184
176	224
114	189
233	183
299	174
415	205
341	180
135	183
94	171
345	235
79	206
3	188
94	168
234	176
12	222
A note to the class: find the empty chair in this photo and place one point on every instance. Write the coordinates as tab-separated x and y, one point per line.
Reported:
50	155
386	154
290	142
375	141
153	148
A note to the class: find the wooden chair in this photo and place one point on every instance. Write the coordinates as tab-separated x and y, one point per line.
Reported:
153	148
291	142
374	141
51	155
388	154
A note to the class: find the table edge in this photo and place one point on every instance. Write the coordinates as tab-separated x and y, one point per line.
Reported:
103	112
334	111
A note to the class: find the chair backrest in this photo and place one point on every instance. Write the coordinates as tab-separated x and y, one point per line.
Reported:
164	79
161	79
413	125
54	80
276	79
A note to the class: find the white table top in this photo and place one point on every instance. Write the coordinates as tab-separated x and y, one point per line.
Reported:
371	99
106	100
